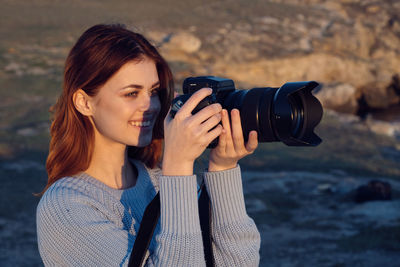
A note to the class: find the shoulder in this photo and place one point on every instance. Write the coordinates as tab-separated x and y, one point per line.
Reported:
65	188
60	193
70	195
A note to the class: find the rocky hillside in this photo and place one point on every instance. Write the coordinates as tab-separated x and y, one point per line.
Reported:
351	46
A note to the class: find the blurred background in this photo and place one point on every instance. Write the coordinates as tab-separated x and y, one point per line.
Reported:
307	202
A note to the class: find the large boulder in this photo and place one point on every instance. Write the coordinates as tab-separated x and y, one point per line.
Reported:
381	94
340	97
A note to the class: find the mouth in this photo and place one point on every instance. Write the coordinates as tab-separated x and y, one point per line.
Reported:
141	124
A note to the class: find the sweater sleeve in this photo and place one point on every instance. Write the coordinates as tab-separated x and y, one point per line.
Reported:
236	240
179	242
74	230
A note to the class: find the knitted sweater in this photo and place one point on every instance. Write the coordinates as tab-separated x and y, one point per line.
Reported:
83	222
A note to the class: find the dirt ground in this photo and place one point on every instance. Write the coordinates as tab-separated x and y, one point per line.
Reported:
305	218
310	219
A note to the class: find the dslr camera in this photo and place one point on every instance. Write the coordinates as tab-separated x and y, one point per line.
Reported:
287	114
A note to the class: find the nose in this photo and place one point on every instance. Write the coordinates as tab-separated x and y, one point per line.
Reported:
145	102
148	103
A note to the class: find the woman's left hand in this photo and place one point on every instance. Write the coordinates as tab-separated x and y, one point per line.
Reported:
231	145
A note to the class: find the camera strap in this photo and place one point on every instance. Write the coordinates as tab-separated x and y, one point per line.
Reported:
150	218
146	230
205	225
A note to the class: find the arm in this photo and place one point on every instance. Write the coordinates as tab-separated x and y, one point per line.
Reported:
76	230
236	240
179	241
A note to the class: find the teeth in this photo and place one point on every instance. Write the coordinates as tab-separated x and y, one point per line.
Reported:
140	124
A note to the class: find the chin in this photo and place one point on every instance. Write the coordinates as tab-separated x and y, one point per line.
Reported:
141	143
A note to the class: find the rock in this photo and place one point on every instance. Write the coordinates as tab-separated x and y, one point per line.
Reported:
350	43
16	68
381	94
391	129
27	131
374	190
184	41
325	188
339	97
37	71
378	213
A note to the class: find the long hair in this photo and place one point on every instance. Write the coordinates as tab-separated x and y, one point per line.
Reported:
97	55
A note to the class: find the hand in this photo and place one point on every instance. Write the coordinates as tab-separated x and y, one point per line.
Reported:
231	146
186	136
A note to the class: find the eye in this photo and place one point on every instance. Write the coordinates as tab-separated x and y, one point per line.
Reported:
155	91
131	94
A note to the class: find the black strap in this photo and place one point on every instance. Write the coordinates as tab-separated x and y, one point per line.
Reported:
146	230
205	225
149	222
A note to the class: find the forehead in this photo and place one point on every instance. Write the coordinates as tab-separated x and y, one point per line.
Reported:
143	72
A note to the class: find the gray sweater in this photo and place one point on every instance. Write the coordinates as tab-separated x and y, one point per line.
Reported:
83	222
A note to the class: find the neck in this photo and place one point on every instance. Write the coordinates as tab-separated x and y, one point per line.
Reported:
110	165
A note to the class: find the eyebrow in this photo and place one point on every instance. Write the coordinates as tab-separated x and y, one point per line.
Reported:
137	86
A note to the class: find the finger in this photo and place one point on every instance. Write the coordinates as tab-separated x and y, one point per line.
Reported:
193	101
237	133
222	141
252	143
206	113
227	127
211	135
210	123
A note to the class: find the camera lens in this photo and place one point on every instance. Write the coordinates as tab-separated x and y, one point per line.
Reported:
288	114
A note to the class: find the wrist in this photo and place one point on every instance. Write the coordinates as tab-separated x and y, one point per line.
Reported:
213	167
177	168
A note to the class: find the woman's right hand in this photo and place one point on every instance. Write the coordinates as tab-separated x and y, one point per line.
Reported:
186	136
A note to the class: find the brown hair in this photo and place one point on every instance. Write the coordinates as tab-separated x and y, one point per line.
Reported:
98	54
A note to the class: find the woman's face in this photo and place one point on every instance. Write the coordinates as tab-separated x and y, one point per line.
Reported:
127	105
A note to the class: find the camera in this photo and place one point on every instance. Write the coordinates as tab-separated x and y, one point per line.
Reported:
287	114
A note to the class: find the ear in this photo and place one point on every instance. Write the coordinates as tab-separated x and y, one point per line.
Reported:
82	103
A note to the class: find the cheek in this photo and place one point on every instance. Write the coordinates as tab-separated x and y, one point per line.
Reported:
156	105
109	114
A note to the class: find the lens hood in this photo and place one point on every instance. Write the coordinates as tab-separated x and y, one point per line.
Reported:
295	114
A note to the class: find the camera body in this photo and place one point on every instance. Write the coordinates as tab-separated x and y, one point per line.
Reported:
220	87
288	114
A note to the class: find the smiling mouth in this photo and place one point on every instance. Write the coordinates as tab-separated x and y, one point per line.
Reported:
140	123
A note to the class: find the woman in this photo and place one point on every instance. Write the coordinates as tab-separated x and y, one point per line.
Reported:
109	131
